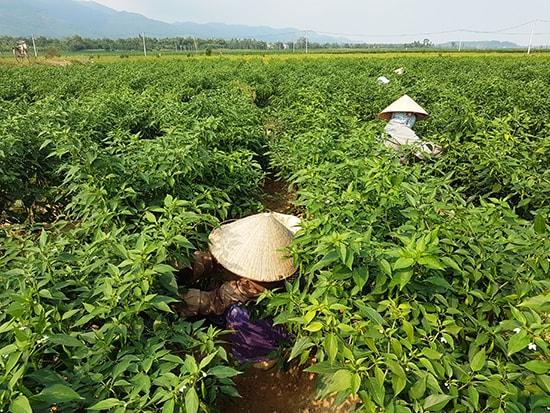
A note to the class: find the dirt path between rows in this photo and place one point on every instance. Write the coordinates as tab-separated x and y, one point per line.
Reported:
276	390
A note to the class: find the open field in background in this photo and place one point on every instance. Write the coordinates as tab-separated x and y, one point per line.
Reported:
86	56
423	285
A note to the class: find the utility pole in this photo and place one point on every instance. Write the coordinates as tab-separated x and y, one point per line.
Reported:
34	46
306	40
144	48
531	37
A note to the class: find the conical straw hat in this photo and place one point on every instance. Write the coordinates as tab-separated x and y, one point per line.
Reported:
404	104
251	247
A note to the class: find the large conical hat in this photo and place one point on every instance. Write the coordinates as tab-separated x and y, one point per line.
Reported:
404	104
251	247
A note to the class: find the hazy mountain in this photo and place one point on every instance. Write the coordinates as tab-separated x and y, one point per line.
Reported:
67	18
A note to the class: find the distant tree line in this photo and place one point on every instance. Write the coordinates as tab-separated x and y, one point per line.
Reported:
180	44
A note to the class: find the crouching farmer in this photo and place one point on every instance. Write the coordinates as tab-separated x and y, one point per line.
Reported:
401	116
247	254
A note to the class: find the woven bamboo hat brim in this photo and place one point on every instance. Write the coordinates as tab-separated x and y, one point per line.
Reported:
251	247
404	104
290	221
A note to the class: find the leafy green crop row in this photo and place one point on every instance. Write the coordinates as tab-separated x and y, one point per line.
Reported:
110	180
425	282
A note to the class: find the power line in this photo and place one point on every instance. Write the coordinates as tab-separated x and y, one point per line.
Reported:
500	31
507	31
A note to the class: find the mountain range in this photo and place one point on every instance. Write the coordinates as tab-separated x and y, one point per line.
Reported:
67	18
88	19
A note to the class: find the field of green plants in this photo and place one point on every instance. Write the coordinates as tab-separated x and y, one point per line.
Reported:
423	285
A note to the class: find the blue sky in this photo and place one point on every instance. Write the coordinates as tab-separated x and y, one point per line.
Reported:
519	21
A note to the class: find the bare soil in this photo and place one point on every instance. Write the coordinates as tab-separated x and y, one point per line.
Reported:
278	197
277	391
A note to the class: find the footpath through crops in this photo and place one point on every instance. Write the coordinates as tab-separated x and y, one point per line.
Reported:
423	285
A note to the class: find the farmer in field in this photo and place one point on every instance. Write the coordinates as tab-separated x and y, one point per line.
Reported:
401	116
21	48
247	254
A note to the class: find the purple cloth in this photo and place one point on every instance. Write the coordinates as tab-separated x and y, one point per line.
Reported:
252	342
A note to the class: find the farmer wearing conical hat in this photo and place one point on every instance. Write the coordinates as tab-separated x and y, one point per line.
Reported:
251	250
401	116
